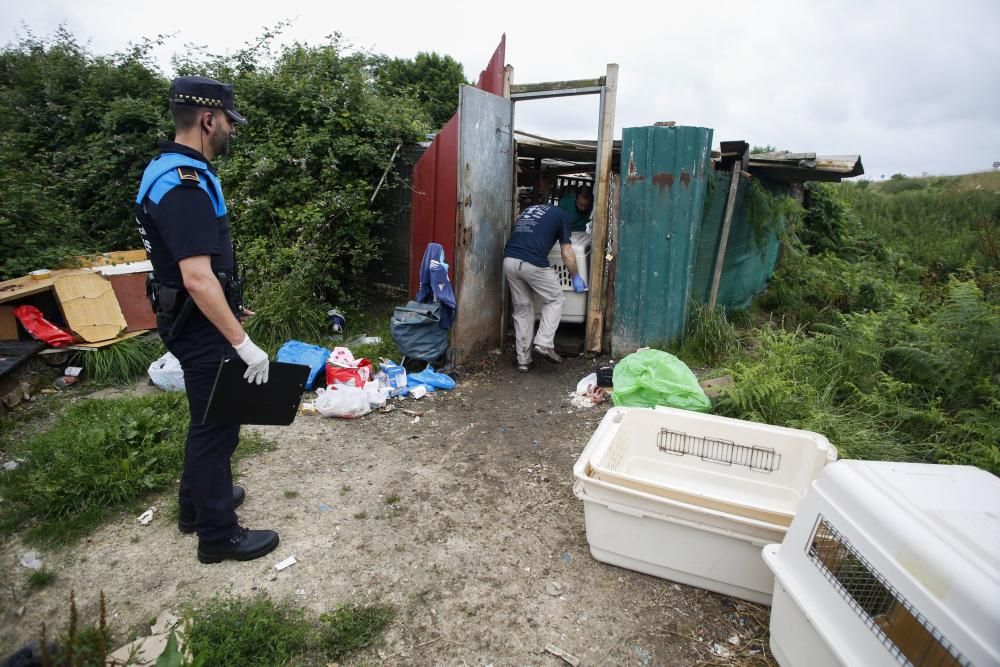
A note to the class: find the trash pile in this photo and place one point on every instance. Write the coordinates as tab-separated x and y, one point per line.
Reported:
352	387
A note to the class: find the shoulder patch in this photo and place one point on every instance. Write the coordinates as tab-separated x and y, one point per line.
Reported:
188	175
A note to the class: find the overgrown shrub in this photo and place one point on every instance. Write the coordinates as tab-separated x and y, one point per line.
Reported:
77	130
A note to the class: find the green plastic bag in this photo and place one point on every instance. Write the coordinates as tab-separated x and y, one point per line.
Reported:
648	378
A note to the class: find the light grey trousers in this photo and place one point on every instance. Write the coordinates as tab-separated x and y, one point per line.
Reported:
524	279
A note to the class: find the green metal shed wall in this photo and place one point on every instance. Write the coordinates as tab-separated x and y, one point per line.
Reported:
747	268
664	175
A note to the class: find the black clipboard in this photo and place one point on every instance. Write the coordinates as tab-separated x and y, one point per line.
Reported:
275	402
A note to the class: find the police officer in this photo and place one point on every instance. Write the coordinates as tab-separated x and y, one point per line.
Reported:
197	296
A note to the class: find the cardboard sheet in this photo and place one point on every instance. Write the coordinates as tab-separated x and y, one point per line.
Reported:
89	306
130	290
8	323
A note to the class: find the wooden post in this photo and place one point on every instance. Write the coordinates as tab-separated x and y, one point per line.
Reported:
727	218
599	231
508	78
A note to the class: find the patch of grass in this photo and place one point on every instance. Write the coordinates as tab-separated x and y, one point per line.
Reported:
345	489
291	494
39	579
121	363
353	627
710	337
251	632
256	631
392	499
100	456
361	515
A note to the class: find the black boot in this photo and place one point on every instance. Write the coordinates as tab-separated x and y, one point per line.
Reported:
187	524
243	545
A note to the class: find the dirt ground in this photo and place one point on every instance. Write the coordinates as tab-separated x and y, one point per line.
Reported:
483	554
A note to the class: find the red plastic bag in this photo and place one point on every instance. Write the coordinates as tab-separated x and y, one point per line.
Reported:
352	377
31	319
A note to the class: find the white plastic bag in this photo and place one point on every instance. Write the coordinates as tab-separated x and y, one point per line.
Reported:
376	394
584	385
344	401
166	373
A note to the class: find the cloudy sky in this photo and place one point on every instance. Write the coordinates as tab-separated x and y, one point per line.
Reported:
913	86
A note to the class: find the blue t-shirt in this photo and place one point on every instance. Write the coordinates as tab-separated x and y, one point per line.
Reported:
536	231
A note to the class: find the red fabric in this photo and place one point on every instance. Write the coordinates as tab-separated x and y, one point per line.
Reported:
39	327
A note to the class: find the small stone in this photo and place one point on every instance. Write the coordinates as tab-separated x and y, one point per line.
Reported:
734	640
554	588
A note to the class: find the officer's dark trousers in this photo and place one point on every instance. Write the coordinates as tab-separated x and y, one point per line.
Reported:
206	488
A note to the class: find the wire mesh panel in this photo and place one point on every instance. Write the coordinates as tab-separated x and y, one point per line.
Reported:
904	631
725	452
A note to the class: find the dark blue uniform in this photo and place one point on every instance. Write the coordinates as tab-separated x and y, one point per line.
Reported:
182	213
535	232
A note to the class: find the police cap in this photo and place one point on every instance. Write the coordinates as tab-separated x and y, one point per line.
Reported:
201	91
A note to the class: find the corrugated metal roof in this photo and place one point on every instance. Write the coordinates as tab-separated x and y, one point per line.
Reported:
802	167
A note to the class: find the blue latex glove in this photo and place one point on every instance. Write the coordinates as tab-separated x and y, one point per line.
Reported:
579	285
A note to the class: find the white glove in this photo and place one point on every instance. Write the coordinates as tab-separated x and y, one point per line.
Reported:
255	359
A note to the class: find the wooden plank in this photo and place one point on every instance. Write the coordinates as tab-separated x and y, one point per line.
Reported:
125	256
713	388
90	347
727	218
599	232
8	324
130	291
18	288
556	85
89	306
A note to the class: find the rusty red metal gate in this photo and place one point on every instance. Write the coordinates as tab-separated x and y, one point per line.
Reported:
435	180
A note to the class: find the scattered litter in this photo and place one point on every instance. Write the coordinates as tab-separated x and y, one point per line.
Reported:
30	560
73	371
336	320
20	611
166	373
720	650
146	517
419	391
416	420
388	407
288	562
412	413
308	408
344	401
559	653
323	507
164	623
567	558
10	465
586	383
65	381
554	588
734	640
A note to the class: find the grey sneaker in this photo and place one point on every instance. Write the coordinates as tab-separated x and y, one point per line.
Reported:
549	353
